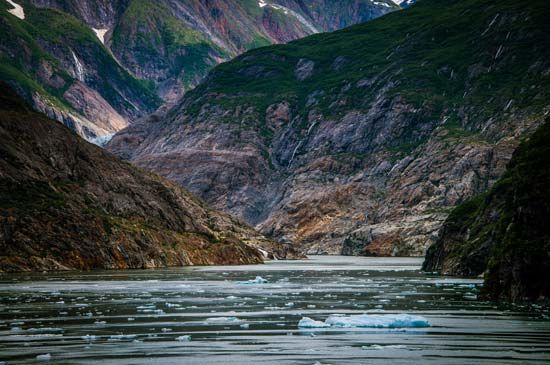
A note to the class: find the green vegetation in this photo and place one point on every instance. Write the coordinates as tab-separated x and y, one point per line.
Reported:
505	231
436	56
47	37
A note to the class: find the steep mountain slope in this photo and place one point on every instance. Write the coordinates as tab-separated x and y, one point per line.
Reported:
175	43
361	140
67	204
60	66
504	233
86	71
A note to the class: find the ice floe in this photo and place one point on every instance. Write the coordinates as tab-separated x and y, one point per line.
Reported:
224	320
307	322
44	357
367	321
257	280
185	338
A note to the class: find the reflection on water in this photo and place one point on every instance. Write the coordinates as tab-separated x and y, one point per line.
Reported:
231	315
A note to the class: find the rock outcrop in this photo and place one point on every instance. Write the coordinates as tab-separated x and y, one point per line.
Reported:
132	55
66	204
505	232
362	140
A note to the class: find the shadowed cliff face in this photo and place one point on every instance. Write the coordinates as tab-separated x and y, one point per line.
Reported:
504	233
98	65
66	204
362	140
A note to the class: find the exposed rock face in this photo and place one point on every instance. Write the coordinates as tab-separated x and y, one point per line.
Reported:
504	233
66	204
109	46
370	151
60	66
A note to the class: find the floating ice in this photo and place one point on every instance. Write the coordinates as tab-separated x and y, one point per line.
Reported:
89	338
382	347
45	330
245	325
44	357
307	322
184	338
257	280
122	337
223	320
367	321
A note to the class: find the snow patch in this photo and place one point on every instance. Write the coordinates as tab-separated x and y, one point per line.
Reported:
101	140
367	321
100	33
287	11
17	10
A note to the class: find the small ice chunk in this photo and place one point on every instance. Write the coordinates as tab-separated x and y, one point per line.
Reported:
44	357
245	325
89	338
185	338
307	322
224	320
257	280
122	337
166	330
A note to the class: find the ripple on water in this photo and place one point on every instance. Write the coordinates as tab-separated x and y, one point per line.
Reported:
361	310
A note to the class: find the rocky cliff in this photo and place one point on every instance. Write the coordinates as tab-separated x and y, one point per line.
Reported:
504	233
99	65
362	140
66	204
60	66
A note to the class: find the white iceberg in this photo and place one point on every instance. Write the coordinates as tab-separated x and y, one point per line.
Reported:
185	338
367	321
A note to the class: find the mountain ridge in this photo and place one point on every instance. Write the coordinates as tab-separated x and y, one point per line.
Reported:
87	63
66	204
362	140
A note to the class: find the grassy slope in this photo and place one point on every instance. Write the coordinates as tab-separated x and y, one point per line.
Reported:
426	51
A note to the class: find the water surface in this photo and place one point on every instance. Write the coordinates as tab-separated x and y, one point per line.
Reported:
212	315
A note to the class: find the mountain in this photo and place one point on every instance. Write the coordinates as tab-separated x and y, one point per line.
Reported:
504	233
99	65
360	141
59	65
66	204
